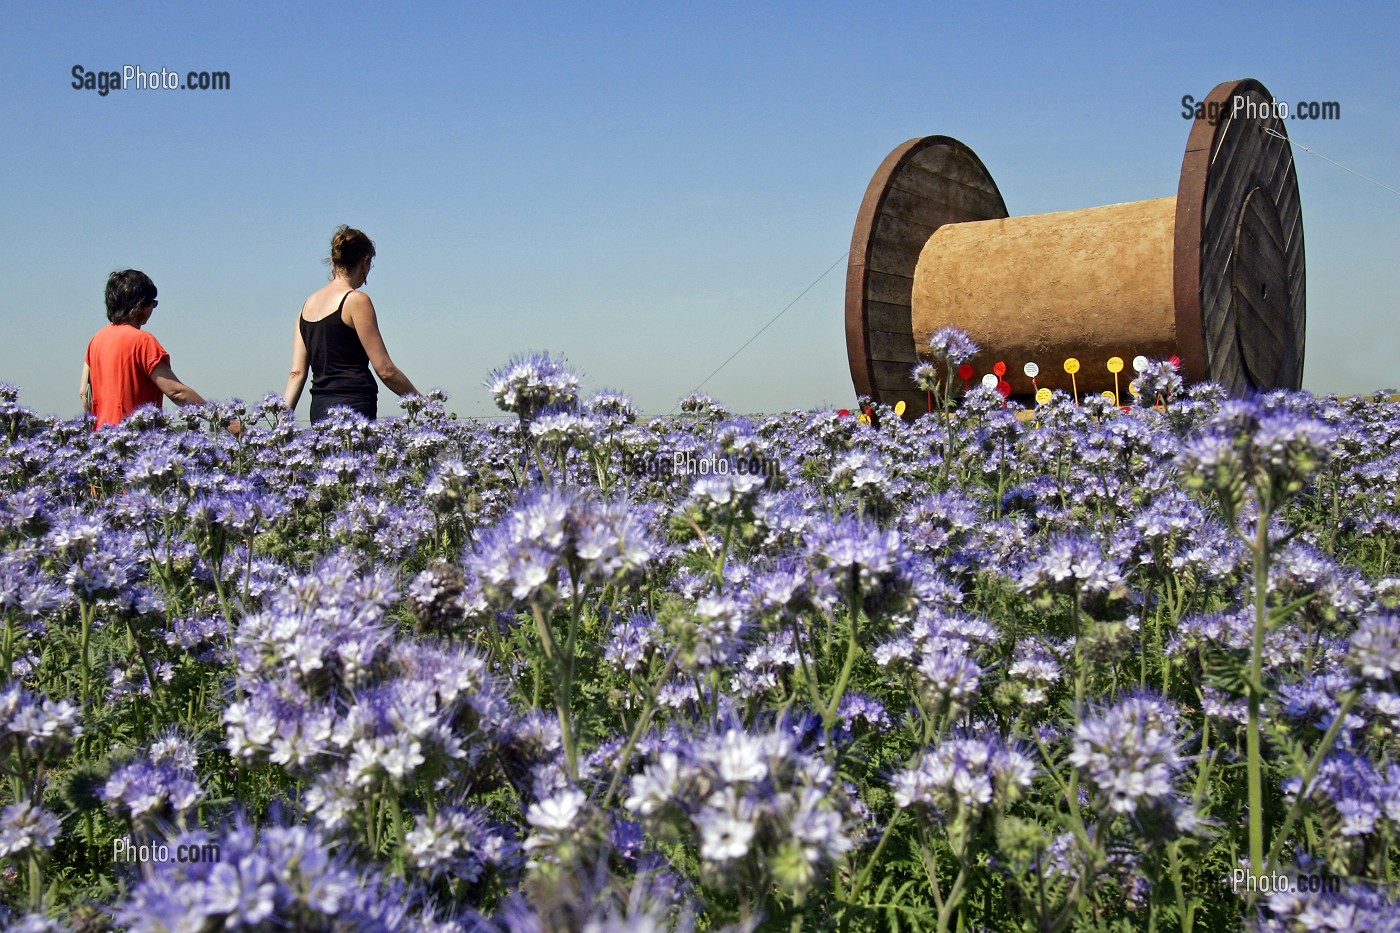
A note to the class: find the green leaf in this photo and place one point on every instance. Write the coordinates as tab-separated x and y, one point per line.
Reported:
1280	613
1226	670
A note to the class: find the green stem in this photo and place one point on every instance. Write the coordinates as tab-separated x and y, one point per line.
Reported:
248	573
145	663
1322	749
950	903
1184	910
371	824
642	722
813	688
852	648
9	648
396	813
1253	738
563	700
1079	671
724	551
216	570
36	885
541	626
85	611
864	876
1203	774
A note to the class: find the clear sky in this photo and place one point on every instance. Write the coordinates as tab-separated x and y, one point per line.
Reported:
640	186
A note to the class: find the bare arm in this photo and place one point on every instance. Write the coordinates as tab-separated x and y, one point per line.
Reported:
85	388
296	381
366	324
172	388
179	393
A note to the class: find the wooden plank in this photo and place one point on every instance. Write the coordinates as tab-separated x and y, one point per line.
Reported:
1262	350
1240	148
1290	214
1223	165
895	245
1215	298
914	403
1215	280
1265	255
1266	277
1290	210
1255	310
892	347
951	163
1221	332
1224	195
1262	359
890	289
948	206
1291	223
1260	232
1228	369
893	377
915	208
890	318
1273	163
975	198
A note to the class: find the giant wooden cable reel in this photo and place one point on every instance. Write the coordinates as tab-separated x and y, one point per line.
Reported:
1214	275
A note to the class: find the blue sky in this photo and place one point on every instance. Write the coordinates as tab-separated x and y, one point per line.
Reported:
640	186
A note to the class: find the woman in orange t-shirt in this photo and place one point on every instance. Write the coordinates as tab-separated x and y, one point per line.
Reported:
125	367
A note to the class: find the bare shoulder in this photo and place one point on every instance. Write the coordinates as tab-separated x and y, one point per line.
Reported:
321	303
357	304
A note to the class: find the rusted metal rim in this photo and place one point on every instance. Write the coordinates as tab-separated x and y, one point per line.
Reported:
1244	342
894	239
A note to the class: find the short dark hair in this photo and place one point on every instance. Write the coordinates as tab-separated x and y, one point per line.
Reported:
349	248
127	291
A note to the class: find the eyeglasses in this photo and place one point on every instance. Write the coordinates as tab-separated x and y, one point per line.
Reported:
154	302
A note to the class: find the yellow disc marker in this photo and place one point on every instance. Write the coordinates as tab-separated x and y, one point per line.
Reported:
1042	396
1110	396
899	408
1072	367
1115	366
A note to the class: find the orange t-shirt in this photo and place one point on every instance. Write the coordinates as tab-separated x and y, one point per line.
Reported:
121	358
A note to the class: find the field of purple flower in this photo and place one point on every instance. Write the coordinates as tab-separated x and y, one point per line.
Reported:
1083	670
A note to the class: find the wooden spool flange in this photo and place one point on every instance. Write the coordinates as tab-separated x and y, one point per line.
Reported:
1214	275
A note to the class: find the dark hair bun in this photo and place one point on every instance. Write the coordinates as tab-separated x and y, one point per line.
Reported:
350	247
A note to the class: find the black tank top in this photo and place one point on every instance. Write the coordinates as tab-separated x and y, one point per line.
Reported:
339	363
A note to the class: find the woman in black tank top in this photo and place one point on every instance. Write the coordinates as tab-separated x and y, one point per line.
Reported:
339	349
